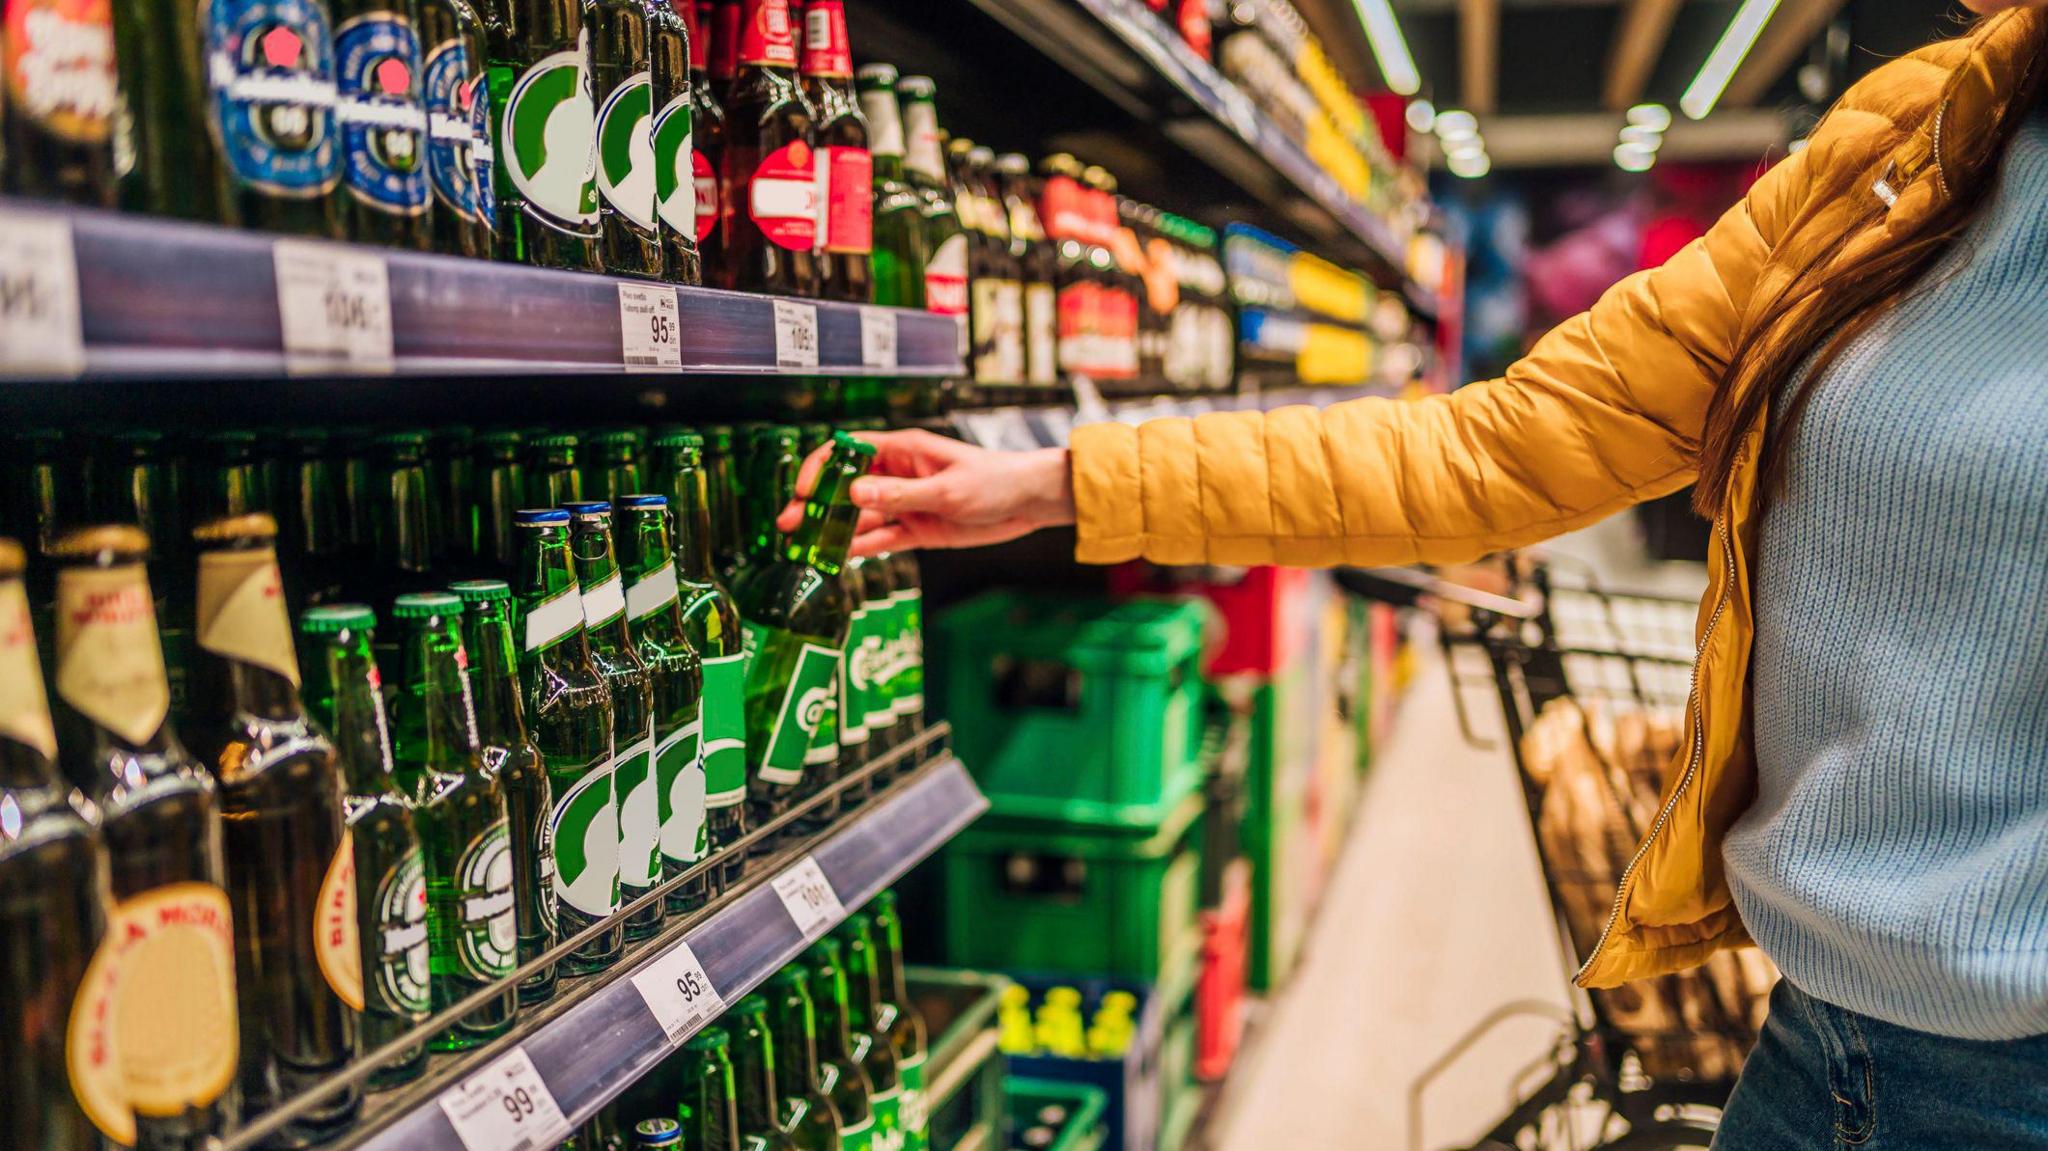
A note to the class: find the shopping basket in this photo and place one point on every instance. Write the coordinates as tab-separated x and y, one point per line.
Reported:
1592	686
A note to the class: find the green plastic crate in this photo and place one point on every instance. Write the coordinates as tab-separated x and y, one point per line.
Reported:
1276	788
1026	895
964	1071
1072	1112
1080	710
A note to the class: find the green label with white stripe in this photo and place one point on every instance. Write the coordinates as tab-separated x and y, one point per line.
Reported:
679	773
725	730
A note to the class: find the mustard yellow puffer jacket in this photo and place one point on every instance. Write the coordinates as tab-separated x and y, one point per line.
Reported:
1604	412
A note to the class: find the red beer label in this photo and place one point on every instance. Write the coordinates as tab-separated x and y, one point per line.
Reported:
782	197
826	52
945	277
849	199
57	60
697	25
706	182
765	35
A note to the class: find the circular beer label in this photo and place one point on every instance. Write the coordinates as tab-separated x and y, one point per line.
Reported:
92	1054
549	143
675	193
404	976
337	944
782	197
706	181
57	61
172	1004
383	127
488	944
271	67
446	89
584	835
625	150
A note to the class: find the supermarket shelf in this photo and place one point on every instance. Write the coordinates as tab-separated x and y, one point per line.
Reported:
161	299
1121	49
599	1034
1022	427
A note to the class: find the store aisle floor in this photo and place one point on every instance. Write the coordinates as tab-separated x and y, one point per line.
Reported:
1435	916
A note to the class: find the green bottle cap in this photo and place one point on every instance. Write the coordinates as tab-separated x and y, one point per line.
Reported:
481	590
499	438
616	438
792	975
753	1004
409	438
337	618
425	605
683	438
554	440
709	1039
847	442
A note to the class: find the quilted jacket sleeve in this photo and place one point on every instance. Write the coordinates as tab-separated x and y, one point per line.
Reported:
1604	412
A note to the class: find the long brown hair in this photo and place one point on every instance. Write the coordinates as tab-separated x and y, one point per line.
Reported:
1844	288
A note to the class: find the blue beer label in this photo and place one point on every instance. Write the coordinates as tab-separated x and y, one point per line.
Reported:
383	129
447	90
270	68
483	155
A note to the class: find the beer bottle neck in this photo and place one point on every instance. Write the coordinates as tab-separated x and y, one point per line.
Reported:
690	502
828	983
493	676
889	959
825	536
437	717
725	40
861	991
28	742
796	1045
922	157
826	54
725	507
244	627
342	693
105	615
753	1070
766	39
597	573
885	130
503	488
405	542
550	605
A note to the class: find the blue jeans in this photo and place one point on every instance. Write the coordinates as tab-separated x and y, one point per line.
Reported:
1825	1079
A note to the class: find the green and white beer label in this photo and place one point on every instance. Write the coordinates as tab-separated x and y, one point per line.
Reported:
675	182
401	976
625	149
858	1137
805	729
856	687
604	602
888	1119
725	731
583	835
910	1110
639	812
679	774
549	142
907	659
550	621
488	944
651	592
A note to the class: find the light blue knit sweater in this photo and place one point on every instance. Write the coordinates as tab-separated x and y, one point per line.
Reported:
1896	861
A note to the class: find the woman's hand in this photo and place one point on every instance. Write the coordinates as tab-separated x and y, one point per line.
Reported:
928	491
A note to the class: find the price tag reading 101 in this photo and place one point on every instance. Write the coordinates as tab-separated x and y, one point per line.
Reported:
505	1107
809	897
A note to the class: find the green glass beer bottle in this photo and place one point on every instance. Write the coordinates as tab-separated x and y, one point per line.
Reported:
654	617
728	549
53	911
773	459
401	520
459	153
161	53
543	125
450	463
768	178
290	866
383	122
512	758
808	1112
753	1073
796	614
343	696
671	46
309	520
611	465
569	707
623	88
161	822
845	1047
462	819
272	72
865	1020
924	163
706	1104
867	727
906	1032
498	488
906	658
711	623
632	688
552	478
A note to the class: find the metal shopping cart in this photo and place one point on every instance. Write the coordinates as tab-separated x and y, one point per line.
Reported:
1591	686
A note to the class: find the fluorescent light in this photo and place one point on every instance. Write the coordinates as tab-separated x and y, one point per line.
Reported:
1655	117
1630	158
1641	137
1705	90
1421	115
1389	47
1471	166
1464	146
1456	124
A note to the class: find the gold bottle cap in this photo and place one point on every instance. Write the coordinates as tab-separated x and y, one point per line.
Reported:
12	559
249	525
85	543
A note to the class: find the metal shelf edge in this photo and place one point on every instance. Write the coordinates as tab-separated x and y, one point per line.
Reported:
593	1051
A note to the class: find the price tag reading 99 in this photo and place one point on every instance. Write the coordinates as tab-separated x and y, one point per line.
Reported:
505	1107
809	897
679	993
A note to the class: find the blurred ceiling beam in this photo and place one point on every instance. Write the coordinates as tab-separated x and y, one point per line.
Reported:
1479	55
1784	39
1638	43
1587	139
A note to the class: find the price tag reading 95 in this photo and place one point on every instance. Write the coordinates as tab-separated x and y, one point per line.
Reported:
877	338
649	327
335	305
41	332
505	1107
810	899
679	993
796	334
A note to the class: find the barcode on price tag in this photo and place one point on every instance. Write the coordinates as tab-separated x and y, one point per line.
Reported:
679	993
40	329
796	334
505	1107
335	305
649	327
809	897
877	338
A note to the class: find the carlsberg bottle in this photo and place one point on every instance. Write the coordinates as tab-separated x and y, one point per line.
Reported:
797	612
570	710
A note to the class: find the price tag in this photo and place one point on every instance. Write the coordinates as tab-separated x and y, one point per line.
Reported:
796	334
336	308
649	327
505	1107
809	897
679	993
41	333
877	338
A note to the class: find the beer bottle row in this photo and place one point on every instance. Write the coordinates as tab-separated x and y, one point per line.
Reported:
339	856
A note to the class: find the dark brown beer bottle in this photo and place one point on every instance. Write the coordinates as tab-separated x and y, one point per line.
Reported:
769	185
846	172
